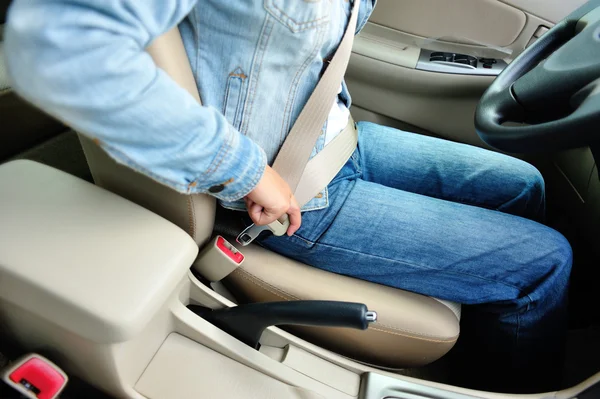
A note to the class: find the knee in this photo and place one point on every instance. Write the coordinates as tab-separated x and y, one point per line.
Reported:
524	188
552	284
559	248
531	180
547	271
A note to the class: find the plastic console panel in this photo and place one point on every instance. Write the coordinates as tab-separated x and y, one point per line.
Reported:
377	386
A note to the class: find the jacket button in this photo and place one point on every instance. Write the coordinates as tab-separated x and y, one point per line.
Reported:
216	189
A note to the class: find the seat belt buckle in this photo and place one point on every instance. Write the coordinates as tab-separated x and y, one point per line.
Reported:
218	259
36	377
278	228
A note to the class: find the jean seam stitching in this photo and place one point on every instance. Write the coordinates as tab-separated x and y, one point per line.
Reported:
221	155
413	265
137	167
252	183
318	207
238	110
302	26
255	73
354	177
527	189
287	111
308	242
226	95
197	41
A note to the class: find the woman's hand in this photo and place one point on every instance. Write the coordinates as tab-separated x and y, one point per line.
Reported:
271	199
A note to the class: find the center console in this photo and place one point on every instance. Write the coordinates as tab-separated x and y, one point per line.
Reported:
103	287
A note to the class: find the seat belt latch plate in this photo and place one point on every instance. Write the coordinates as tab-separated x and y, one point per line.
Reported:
250	233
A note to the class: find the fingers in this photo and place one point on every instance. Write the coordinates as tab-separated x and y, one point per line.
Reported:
295	217
255	211
262	216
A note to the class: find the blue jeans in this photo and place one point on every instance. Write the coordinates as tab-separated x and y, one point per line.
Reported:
454	222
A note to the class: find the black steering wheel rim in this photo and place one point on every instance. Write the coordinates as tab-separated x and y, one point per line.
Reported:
551	91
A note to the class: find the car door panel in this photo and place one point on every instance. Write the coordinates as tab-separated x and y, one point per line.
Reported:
551	10
383	76
405	94
387	87
487	21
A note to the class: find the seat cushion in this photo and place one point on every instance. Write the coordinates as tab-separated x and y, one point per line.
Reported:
411	330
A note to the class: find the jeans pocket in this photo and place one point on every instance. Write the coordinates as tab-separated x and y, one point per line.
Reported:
355	157
233	97
300	15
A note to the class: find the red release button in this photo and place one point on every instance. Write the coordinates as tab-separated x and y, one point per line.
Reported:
44	380
229	250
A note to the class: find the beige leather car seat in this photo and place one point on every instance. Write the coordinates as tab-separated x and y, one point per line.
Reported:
412	330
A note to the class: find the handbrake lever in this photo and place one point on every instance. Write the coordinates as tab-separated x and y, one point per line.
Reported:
247	322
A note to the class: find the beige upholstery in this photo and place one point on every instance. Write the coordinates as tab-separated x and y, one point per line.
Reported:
490	22
193	213
412	330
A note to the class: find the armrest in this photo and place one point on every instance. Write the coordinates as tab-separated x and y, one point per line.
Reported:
82	257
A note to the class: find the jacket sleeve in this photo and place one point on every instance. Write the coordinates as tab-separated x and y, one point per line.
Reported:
365	11
84	62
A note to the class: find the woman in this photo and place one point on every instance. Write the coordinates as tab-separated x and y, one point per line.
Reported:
417	213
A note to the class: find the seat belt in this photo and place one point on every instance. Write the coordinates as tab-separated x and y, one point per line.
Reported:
306	177
294	154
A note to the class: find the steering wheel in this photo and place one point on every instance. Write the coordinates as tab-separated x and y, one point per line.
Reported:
551	91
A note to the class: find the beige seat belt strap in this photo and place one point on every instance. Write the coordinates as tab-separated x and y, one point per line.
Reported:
294	155
324	166
167	51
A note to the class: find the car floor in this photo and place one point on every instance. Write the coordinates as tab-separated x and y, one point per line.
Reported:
583	355
583	346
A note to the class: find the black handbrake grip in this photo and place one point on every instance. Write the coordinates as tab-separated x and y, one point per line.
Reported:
247	322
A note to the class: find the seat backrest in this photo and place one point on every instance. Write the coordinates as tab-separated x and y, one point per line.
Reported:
193	213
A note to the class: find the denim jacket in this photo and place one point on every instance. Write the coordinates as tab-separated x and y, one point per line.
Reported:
256	62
